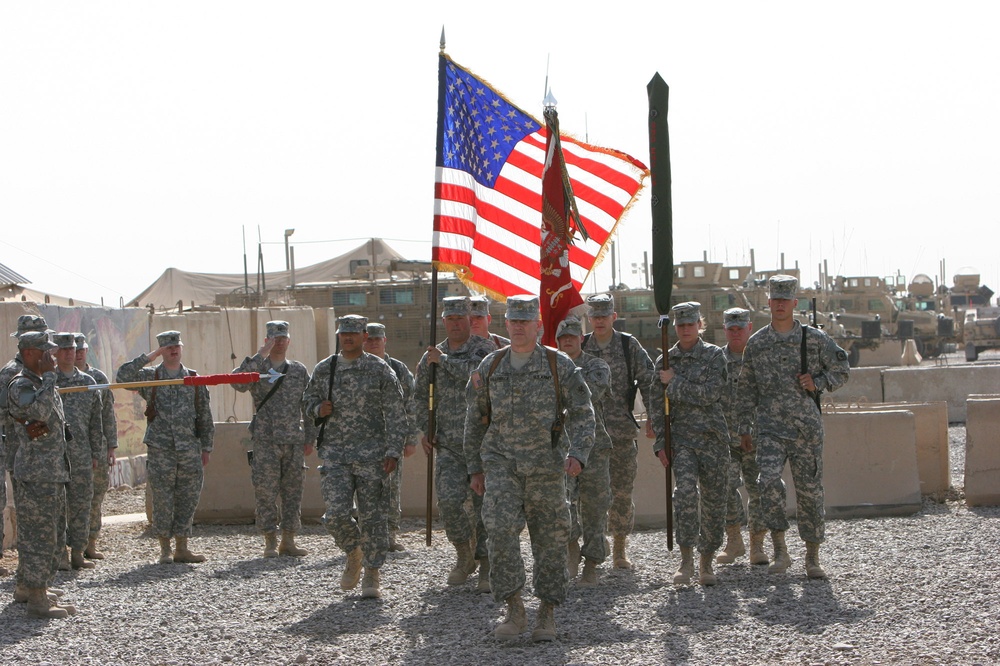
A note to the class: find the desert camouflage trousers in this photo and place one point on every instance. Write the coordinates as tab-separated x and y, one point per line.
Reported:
79	497
701	477
589	500
743	471
101	476
175	479
366	483
278	472
41	517
805	457
460	509
623	466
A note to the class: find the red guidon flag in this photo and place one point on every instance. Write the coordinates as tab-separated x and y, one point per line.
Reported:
488	189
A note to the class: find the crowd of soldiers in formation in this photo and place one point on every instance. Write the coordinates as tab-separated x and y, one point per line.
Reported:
523	435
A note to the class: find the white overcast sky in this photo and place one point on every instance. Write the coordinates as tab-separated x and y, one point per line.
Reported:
135	136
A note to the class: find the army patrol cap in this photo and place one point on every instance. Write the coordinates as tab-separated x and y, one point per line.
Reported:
29	323
81	341
782	286
169	338
736	317
479	306
686	313
277	329
35	340
523	308
376	330
352	323
569	326
456	305
600	305
64	340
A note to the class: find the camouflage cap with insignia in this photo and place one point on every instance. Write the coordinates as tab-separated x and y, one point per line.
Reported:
29	323
352	323
782	286
376	330
81	341
64	340
480	306
277	329
523	307
736	317
169	338
686	313
455	306
35	340
569	326
600	305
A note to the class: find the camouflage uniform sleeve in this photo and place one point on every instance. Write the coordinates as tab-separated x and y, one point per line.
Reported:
746	394
310	430
98	450
655	408
394	413
26	403
253	363
642	369
836	368
421	392
476	400
109	422
316	390
406	380
580	420
204	422
709	385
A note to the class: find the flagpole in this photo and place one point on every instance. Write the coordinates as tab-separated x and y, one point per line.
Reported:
431	416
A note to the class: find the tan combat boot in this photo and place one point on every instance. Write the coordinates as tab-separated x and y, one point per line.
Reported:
464	565
352	571
288	546
394	545
270	544
781	559
545	623
184	556
4	571
813	568
40	606
515	622
705	574
589	577
757	554
165	556
734	545
573	559
21	594
370	585
77	561
620	560
483	585
684	573
91	552
64	563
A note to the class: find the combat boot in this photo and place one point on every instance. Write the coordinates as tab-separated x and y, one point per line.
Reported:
515	622
21	594
370	585
165	556
757	554
288	546
620	560
270	544
184	556
394	545
77	560
545	623
352	571
813	568
91	552
483	585
734	545
4	571
705	574
781	559
573	559
63	561
589	577
464	566
684	573
40	606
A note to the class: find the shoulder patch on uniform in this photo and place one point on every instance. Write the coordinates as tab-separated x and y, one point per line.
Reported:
477	380
841	355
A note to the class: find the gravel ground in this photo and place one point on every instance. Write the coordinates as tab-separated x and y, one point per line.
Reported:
916	590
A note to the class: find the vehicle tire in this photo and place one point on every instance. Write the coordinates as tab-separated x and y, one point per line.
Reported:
971	353
854	357
921	347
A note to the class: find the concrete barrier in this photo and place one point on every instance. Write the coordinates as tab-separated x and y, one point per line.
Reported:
953	384
982	451
865	384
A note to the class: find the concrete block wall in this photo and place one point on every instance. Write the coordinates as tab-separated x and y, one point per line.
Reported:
982	451
953	384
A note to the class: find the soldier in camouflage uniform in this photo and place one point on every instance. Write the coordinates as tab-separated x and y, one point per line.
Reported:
282	435
375	345
358	403
590	492
37	430
25	324
743	468
694	384
519	452
628	361
109	427
480	318
85	449
789	426
179	434
456	358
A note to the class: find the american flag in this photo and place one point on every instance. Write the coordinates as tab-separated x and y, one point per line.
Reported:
488	189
